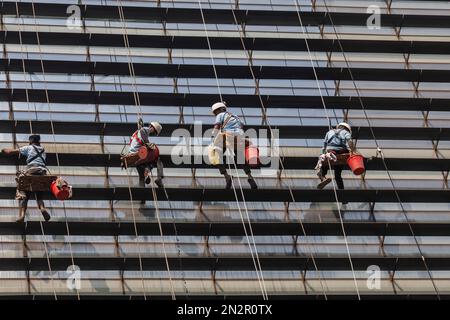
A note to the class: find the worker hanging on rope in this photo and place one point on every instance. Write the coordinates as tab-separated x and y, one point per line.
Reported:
337	146
36	166
228	133
144	163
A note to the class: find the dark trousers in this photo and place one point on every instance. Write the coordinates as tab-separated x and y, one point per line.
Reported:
337	169
337	175
149	166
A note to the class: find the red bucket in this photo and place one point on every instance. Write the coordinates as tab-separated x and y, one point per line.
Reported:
356	164
252	156
61	192
148	155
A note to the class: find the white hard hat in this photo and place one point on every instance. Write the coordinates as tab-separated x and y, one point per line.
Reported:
345	125
217	105
157	127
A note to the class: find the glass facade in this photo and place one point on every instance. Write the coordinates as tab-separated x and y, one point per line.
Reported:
81	73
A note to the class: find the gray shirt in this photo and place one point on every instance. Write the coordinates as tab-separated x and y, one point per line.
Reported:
31	154
336	139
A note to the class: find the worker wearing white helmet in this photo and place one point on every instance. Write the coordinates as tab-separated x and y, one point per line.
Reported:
337	141
139	139
228	132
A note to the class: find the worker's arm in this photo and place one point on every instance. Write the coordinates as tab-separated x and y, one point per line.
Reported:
217	126
145	137
10	151
351	146
349	142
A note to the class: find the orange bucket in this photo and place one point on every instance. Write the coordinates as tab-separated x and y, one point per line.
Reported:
252	156
356	164
147	155
61	192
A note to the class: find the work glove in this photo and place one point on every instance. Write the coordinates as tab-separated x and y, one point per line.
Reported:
140	123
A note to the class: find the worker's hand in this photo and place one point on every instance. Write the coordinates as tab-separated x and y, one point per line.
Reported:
140	123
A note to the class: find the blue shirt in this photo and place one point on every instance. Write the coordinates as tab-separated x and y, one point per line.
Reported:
233	124
139	139
336	139
30	152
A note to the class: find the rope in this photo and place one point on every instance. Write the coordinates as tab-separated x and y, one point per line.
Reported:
31	131
264	112
138	103
53	135
381	153
254	256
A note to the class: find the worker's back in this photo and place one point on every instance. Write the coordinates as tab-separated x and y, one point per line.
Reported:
229	123
35	155
139	138
337	139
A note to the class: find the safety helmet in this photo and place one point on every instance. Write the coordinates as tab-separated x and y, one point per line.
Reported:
217	105
345	125
157	127
34	138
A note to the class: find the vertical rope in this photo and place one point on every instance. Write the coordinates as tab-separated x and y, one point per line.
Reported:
381	153
31	132
264	112
254	256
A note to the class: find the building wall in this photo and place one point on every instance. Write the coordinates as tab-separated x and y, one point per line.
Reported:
297	67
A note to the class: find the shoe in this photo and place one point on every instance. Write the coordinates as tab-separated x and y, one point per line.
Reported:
252	183
46	215
228	182
159	183
323	183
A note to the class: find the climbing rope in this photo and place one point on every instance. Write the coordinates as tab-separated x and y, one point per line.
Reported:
252	246
381	152
138	103
31	132
264	112
341	220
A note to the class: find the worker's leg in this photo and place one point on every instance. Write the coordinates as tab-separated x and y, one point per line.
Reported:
250	179
223	171
23	205
220	144
41	206
160	173
322	176
338	176
141	171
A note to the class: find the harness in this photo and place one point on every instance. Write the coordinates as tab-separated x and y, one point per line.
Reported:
227	119
136	135
38	154
336	134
